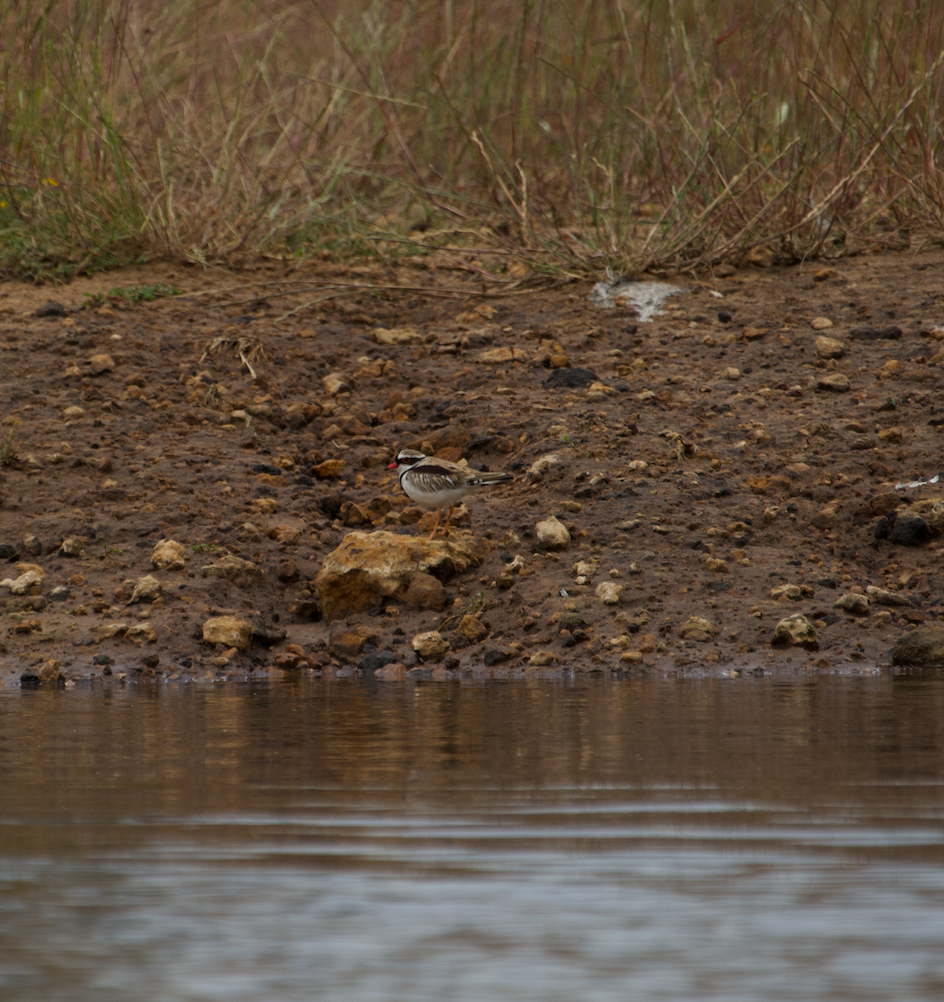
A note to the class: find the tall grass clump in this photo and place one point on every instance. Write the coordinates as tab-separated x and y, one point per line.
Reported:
558	138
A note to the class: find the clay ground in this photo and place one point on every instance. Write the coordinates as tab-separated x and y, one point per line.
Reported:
715	458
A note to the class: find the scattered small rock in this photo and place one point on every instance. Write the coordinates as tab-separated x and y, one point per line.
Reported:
168	555
141	633
867	333
330	469
228	630
430	646
795	630
852	602
101	363
28	582
146	589
242	573
884	597
835	382
425	592
829	347
571	379
552	534
697	628
608	592
72	546
348	642
923	647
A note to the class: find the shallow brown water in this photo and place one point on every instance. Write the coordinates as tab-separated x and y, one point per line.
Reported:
739	839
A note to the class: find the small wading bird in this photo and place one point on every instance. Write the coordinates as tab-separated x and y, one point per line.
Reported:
437	482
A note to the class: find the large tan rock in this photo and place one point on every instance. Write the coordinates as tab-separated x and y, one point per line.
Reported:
228	630
369	567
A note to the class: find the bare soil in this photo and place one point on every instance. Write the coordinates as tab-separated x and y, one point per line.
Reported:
713	457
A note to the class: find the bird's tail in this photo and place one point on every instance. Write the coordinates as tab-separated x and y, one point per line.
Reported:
483	479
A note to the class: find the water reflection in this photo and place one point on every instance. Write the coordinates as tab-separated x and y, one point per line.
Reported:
595	839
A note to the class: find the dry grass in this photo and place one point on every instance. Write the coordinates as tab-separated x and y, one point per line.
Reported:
551	138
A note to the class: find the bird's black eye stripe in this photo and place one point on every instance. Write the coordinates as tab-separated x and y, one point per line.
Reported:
409	460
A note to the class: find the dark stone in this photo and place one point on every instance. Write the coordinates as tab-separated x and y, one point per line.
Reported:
30	680
867	333
103	659
923	647
268	637
376	659
9	552
724	318
52	309
494	655
570	378
571	620
909	532
330	505
275	471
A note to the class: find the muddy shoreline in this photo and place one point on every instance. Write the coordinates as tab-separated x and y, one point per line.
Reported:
741	458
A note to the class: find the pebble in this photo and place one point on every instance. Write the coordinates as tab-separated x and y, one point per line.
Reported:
541	659
425	592
885	597
141	633
923	647
101	363
825	519
430	646
608	592
29	582
168	555
397	336
821	323
829	347
72	546
499	356
698	628
852	602
552	534
249	533
146	589
472	628
330	469
229	630
243	573
836	382
32	546
795	630
348	642
334	383
570	378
